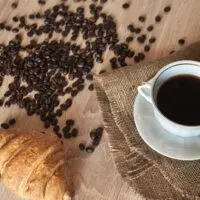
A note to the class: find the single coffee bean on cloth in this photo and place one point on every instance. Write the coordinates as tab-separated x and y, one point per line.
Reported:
147	172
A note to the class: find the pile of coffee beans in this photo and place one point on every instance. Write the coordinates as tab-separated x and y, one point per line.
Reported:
8	124
57	68
95	136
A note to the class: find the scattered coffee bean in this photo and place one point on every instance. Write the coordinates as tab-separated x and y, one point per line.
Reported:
141	39
131	28
142	18
89	77
136	58
152	40
81	146
93	134
59	112
129	39
69	122
8	28
171	52
14	5
181	41
158	18
126	5
47	124
141	56
150	28
74	132
74	93
15	19
5	126
67	135
31	16
56	128
1	102
91	87
167	9
42	2
12	121
89	149
15	30
99	130
137	30
146	48
103	1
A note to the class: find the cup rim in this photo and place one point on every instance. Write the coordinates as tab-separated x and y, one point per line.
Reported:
170	65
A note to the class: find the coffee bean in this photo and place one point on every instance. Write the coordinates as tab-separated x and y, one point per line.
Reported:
5	126
15	30
69	122
89	77
68	102
81	146
136	59
74	93
167	9
181	41
142	18
126	5
1	102
66	129
59	136
15	19
147	48
12	121
150	28
152	40
14	5
80	10
42	2
130	54
131	28
31	16
8	28
59	112
141	39
158	18
103	1
54	121
67	135
129	39
171	52
2	25
74	132
141	56
93	134
99	130
91	87
47	124
56	128
89	149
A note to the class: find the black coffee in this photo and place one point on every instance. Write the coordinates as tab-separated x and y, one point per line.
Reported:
179	99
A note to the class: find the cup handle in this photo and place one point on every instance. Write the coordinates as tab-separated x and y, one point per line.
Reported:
145	91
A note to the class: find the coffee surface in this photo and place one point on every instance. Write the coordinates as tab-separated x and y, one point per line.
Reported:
179	99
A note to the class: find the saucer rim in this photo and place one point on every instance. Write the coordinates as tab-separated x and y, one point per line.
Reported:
183	158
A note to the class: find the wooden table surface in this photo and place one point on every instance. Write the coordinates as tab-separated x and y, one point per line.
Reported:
95	175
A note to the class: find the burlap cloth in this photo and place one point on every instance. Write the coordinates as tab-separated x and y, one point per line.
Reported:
148	173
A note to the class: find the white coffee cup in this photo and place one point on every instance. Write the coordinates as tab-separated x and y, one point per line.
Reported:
150	90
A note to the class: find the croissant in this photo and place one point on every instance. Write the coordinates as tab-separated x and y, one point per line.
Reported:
32	165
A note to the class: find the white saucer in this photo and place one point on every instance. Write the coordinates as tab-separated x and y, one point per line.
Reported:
161	140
